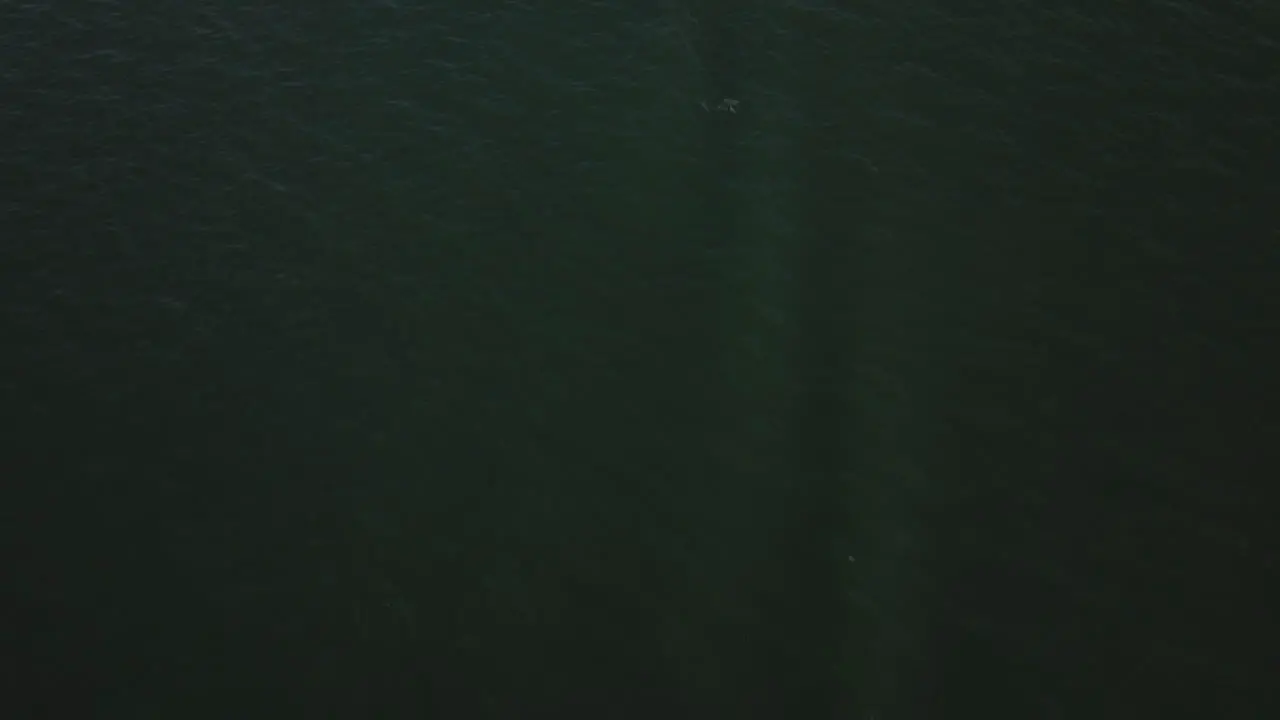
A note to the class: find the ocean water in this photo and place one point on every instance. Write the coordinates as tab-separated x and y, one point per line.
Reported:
748	359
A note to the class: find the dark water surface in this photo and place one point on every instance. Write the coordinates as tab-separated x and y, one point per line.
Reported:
773	358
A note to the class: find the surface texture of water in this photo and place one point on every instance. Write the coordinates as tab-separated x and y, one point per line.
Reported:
766	358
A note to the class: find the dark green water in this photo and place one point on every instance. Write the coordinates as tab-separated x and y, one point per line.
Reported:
691	359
